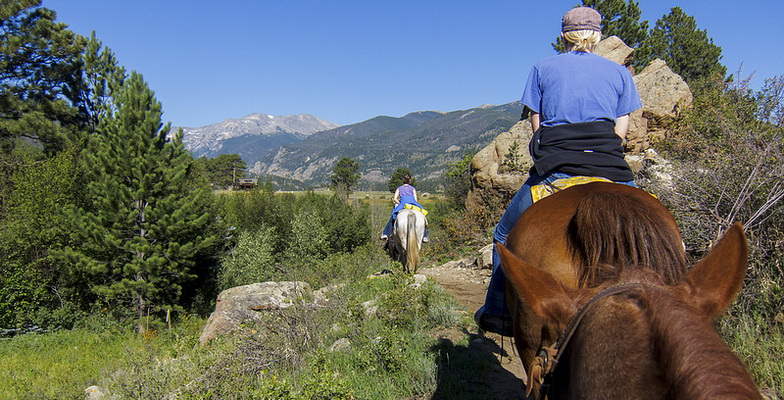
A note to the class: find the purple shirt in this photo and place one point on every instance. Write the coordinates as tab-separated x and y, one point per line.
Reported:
405	190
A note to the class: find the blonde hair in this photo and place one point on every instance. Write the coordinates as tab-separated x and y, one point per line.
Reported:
581	40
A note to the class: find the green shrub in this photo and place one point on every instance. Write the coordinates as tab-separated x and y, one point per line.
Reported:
251	260
308	240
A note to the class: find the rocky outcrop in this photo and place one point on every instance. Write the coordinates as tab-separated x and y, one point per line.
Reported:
242	304
489	180
614	49
663	95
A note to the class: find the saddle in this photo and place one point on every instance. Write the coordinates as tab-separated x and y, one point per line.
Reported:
545	189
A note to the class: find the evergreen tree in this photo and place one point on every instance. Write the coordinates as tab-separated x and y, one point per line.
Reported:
102	77
39	69
397	179
458	182
220	171
688	51
345	176
147	223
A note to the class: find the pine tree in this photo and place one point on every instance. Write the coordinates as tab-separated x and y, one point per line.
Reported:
688	51
146	224
345	176
222	170
102	77
39	63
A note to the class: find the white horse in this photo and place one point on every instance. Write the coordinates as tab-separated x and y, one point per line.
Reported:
407	237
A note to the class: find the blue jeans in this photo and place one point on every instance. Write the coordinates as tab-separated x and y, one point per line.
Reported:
495	300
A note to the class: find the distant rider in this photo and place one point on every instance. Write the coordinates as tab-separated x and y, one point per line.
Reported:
404	194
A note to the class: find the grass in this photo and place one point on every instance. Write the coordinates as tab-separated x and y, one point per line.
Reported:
759	343
392	354
62	364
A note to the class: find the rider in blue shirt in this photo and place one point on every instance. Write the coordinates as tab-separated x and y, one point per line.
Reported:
404	194
578	104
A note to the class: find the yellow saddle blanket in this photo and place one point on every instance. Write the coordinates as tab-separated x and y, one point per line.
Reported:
543	190
410	206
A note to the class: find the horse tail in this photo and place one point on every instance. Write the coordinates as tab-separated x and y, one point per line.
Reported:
412	242
612	230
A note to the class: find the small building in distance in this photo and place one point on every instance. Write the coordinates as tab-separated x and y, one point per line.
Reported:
244	184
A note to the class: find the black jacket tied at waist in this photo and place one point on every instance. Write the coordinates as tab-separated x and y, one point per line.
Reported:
584	149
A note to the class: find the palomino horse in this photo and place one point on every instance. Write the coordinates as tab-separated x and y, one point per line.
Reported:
407	237
597	285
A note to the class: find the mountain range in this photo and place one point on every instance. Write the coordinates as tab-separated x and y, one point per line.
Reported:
306	148
252	135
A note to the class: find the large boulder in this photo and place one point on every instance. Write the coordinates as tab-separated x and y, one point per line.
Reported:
489	180
663	94
242	304
614	49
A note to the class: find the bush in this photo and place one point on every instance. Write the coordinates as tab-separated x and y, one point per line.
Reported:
251	260
308	240
34	284
728	163
728	151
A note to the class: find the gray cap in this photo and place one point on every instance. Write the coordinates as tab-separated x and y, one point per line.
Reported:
581	18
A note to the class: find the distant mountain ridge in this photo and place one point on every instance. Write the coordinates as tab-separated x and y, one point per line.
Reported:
305	148
425	142
253	134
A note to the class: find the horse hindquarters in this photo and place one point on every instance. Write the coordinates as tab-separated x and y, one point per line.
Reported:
412	242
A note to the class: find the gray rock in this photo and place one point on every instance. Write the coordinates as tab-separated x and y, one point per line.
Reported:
240	304
96	393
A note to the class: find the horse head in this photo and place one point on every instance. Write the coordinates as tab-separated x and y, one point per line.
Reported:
638	335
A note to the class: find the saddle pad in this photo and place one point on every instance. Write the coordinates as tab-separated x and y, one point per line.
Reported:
410	206
543	190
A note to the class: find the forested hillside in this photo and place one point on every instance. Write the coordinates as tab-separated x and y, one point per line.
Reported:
424	142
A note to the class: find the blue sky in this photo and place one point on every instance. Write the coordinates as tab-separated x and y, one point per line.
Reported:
348	61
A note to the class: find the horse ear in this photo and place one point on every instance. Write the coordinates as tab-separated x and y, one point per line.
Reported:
539	289
717	278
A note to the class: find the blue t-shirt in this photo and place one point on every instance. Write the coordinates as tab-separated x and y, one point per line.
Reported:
576	87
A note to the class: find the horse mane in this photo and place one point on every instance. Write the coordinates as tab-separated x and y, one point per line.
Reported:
611	231
693	357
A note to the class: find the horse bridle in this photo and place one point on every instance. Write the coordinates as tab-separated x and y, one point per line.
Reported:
542	368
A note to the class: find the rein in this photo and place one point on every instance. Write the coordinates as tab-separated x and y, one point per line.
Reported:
543	366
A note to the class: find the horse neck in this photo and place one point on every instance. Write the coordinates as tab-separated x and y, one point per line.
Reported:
695	360
651	345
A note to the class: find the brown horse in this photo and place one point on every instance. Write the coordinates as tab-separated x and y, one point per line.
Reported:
610	257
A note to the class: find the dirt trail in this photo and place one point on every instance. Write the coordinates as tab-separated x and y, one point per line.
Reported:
502	378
